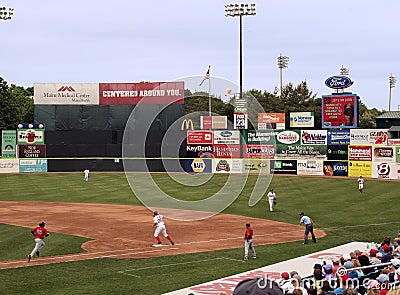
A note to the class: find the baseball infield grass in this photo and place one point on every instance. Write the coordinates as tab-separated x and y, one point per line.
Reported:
334	203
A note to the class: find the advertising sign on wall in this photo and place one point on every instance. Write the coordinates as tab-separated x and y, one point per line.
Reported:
69	94
32	151
226	151
30	136
260	136
368	136
240	121
333	168
384	170
259	151
213	122
199	151
357	168
8	144
360	153
33	165
283	167
302	119
256	166
310	167
227	137
9	165
314	137
393	141
338	137
297	151
338	152
142	93
199	137
383	154
227	166
339	111
198	165
271	121
397	154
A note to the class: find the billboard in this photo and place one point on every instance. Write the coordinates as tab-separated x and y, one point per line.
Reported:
357	168
240	121
384	170
360	153
9	165
67	93
339	111
226	151
310	167
283	167
227	166
313	137
333	168
213	122
199	151
227	137
199	137
302	119
368	136
33	165
198	165
338	137
259	151
383	154
271	121
141	93
8	144
337	152
30	133
32	151
256	166
260	136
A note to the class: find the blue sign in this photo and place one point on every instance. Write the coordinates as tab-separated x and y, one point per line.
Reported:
338	82
339	137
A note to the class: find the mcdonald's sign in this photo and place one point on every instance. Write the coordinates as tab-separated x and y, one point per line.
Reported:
187	124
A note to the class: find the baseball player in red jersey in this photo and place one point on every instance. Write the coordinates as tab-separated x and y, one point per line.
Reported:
159	224
39	233
248	242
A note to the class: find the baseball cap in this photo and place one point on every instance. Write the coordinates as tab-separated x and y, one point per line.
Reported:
373	252
328	266
285	275
373	284
395	262
386	247
257	286
382	278
348	264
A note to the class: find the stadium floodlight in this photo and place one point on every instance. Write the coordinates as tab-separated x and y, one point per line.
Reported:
344	71
6	13
240	10
392	84
283	62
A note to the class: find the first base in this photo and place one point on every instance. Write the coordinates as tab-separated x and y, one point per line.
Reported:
157	245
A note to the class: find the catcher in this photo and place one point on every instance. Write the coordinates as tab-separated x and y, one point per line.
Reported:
39	233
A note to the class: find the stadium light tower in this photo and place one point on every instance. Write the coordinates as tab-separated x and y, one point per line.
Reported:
392	84
344	71
240	10
283	62
6	13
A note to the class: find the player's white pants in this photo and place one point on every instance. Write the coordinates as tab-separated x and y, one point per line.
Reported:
160	230
249	244
39	245
360	186
271	204
86	178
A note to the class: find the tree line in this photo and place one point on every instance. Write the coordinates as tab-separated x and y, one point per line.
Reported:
16	104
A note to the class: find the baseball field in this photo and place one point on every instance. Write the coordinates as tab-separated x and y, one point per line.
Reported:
101	235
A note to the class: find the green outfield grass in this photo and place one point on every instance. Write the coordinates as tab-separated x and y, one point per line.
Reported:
334	203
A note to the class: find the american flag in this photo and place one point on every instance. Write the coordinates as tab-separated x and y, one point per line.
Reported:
206	77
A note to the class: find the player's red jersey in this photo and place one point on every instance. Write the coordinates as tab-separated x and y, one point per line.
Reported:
248	234
39	232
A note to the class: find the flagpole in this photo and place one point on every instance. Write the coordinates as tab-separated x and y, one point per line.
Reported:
209	92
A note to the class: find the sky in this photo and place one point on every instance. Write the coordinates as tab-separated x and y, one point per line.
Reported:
91	41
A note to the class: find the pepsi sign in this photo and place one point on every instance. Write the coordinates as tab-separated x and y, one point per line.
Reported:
338	82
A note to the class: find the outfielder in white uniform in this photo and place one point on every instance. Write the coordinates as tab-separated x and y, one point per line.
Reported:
86	172
159	224
271	196
360	181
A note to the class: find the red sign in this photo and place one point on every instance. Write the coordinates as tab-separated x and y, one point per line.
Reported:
360	153
199	137
226	151
259	151
339	111
32	151
142	93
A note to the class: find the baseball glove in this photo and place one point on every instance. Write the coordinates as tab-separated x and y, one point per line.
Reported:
274	202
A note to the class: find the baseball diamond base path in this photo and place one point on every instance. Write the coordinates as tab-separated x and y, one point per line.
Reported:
123	231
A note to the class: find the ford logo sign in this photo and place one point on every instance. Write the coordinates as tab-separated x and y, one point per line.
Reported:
338	82
226	133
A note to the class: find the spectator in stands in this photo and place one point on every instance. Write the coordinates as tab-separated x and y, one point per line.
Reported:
357	265
394	291
326	289
373	287
318	277
393	267
311	290
343	284
373	259
387	253
350	291
363	259
351	273
327	271
285	282
297	286
386	241
336	264
383	280
396	250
